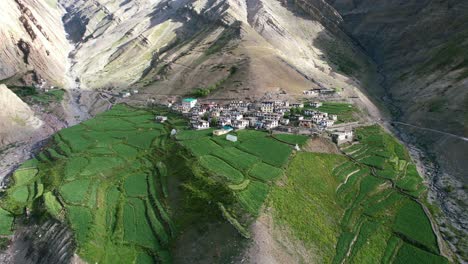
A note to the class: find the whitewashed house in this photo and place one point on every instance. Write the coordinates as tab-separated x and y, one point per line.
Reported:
240	124
189	103
316	104
341	137
201	124
270	124
160	119
311	92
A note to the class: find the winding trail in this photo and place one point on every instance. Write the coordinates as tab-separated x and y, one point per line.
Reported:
430	129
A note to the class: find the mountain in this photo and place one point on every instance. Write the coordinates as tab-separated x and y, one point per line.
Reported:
420	48
33	42
404	64
17	120
162	46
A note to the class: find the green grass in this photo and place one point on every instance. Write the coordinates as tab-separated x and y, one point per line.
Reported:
75	191
306	202
412	223
6	222
33	95
52	205
269	150
93	168
136	228
128	190
253	197
292	139
194	134
80	219
345	112
135	185
247	134
220	168
20	194
236	157
201	146
412	254
241	186
24	176
265	172
371	243
327	213
392	246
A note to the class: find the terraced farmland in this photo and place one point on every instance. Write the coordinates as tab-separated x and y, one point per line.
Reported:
375	218
247	168
100	177
112	180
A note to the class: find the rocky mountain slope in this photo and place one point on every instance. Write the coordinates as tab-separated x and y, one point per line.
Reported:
163	45
17	121
420	50
244	49
33	42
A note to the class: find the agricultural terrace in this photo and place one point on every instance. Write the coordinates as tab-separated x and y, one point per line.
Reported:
108	178
347	210
248	167
105	178
346	112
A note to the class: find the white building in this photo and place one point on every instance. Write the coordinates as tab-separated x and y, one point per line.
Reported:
270	124
231	138
311	92
341	137
284	121
189	103
316	104
240	124
223	121
297	105
326	123
160	119
201	124
124	94
236	116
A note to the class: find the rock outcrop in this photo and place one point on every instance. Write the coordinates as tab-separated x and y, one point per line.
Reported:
32	42
17	120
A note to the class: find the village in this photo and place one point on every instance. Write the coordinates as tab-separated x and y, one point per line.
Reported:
276	116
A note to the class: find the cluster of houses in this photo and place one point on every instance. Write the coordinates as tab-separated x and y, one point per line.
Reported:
260	115
320	91
127	93
241	114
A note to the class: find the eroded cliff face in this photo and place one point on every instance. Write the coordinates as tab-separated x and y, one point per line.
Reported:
420	50
17	121
32	41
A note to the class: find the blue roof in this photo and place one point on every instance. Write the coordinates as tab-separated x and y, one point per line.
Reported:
189	99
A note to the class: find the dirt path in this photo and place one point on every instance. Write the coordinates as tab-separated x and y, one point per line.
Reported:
347	177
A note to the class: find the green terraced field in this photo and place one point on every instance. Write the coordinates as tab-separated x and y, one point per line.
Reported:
374	214
129	191
269	150
220	168
99	171
346	112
